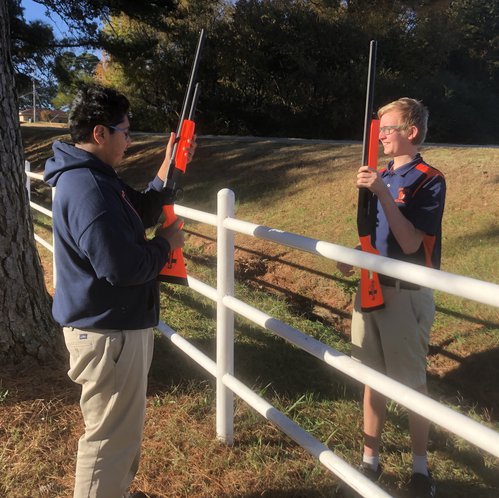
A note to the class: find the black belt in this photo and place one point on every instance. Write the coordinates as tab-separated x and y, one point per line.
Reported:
393	282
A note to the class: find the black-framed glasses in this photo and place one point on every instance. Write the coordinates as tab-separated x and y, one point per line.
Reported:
125	131
388	130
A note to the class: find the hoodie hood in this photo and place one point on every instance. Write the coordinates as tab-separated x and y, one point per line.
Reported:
67	157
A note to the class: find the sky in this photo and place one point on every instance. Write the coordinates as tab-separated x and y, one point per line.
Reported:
34	11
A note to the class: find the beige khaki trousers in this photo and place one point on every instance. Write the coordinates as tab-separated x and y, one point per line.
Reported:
112	367
394	340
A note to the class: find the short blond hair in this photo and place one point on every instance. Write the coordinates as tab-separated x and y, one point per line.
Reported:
413	113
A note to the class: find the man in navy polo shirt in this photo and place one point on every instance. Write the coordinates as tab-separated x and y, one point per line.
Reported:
394	340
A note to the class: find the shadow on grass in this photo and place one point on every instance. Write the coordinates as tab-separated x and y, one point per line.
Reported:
250	272
31	381
347	283
273	367
262	359
474	379
233	165
440	443
322	492
471	458
39	223
445	489
476	239
266	365
449	488
466	380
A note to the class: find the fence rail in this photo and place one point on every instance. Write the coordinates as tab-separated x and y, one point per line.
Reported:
227	304
41	209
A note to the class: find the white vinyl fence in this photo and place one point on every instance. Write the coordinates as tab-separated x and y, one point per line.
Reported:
227	304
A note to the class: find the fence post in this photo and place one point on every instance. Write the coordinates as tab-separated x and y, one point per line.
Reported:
225	317
27	169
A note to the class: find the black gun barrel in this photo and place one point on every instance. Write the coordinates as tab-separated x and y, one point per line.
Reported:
194	103
369	100
185	105
192	79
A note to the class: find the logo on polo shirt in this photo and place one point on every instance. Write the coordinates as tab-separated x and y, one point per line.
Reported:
402	195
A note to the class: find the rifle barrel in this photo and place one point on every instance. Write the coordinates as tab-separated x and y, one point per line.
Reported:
192	78
369	100
194	103
185	105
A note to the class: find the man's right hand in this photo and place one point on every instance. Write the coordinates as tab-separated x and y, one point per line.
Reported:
172	233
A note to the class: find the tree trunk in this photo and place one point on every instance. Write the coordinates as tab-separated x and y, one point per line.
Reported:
27	330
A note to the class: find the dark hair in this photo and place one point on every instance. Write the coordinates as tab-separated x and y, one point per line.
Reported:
95	105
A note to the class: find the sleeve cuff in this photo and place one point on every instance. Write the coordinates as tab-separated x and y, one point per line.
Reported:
157	184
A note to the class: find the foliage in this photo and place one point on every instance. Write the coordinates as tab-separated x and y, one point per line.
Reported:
36	53
31	50
284	67
83	16
298	68
72	70
153	66
287	70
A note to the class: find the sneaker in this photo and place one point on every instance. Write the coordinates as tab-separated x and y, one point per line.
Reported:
422	486
345	491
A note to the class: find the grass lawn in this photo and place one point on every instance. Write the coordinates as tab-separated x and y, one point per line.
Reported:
306	188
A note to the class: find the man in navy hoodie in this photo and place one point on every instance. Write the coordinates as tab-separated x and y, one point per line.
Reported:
107	293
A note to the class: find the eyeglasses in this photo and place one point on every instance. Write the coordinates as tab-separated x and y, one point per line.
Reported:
388	130
125	131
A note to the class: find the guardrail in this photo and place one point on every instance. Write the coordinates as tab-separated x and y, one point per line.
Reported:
227	304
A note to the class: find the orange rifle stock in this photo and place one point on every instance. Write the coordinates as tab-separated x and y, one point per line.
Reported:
371	297
174	270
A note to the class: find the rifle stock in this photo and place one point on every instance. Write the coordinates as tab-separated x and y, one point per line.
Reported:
174	270
371	297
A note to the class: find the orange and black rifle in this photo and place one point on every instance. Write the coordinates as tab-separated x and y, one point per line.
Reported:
174	271
371	297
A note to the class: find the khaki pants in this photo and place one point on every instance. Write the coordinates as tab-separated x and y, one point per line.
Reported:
394	340
111	366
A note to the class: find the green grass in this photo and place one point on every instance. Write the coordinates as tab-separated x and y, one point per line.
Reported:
320	400
307	189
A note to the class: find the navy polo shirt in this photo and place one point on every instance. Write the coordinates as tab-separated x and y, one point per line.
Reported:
419	192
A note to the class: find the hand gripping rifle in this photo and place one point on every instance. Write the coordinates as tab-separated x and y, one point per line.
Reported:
371	297
174	269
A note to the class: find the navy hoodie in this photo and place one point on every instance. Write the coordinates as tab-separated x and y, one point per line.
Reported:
106	268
